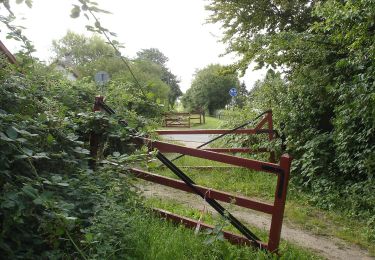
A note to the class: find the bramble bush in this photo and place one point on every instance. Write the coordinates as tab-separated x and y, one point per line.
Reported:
49	195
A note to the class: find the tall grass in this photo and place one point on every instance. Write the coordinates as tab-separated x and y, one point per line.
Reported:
140	235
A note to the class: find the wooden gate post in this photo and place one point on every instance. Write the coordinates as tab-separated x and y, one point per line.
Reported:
279	203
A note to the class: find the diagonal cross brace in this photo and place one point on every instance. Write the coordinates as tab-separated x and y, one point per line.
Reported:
213	203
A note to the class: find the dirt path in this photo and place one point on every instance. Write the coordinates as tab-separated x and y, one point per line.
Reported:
329	247
189	140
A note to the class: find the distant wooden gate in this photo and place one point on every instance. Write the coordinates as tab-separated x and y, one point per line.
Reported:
178	119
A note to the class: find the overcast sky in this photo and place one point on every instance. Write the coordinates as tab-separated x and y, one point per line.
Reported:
176	27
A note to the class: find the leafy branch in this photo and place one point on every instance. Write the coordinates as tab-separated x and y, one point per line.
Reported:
90	7
15	31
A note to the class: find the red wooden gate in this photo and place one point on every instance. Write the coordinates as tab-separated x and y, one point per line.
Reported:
281	170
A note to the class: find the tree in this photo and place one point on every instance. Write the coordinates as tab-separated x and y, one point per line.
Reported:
242	96
249	28
86	55
209	89
171	80
326	49
156	56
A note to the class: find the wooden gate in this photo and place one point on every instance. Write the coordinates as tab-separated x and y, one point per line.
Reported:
280	170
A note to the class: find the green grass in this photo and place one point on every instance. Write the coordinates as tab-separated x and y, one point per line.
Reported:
260	185
224	249
211	123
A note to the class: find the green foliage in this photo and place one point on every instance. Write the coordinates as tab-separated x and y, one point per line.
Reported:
79	50
249	29
326	97
157	57
240	99
87	55
154	55
15	32
48	192
210	89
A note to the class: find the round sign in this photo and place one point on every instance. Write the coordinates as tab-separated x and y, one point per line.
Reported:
233	92
101	77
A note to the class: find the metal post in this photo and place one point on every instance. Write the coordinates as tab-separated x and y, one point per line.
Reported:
279	203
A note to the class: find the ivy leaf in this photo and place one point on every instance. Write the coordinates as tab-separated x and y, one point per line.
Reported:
38	201
5	138
24	132
75	11
50	139
27	151
89	237
19	1
40	156
21	156
81	150
29	3
72	137
30	191
12	133
21	140
63	184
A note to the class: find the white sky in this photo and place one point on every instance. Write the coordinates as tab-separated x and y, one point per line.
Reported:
176	27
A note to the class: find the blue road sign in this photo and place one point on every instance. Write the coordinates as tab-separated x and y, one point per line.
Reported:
233	92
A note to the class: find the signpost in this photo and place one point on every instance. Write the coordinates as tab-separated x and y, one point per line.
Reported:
101	78
233	94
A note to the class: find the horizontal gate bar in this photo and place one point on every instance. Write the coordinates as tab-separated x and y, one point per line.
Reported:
219	157
210	193
206	167
237	150
191	223
212	131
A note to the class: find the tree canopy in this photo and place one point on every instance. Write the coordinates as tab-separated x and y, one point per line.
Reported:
157	57
88	55
210	89
326	52
154	55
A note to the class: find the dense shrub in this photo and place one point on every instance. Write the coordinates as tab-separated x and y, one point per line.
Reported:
48	192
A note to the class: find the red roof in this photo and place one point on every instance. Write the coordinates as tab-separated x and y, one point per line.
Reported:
7	53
